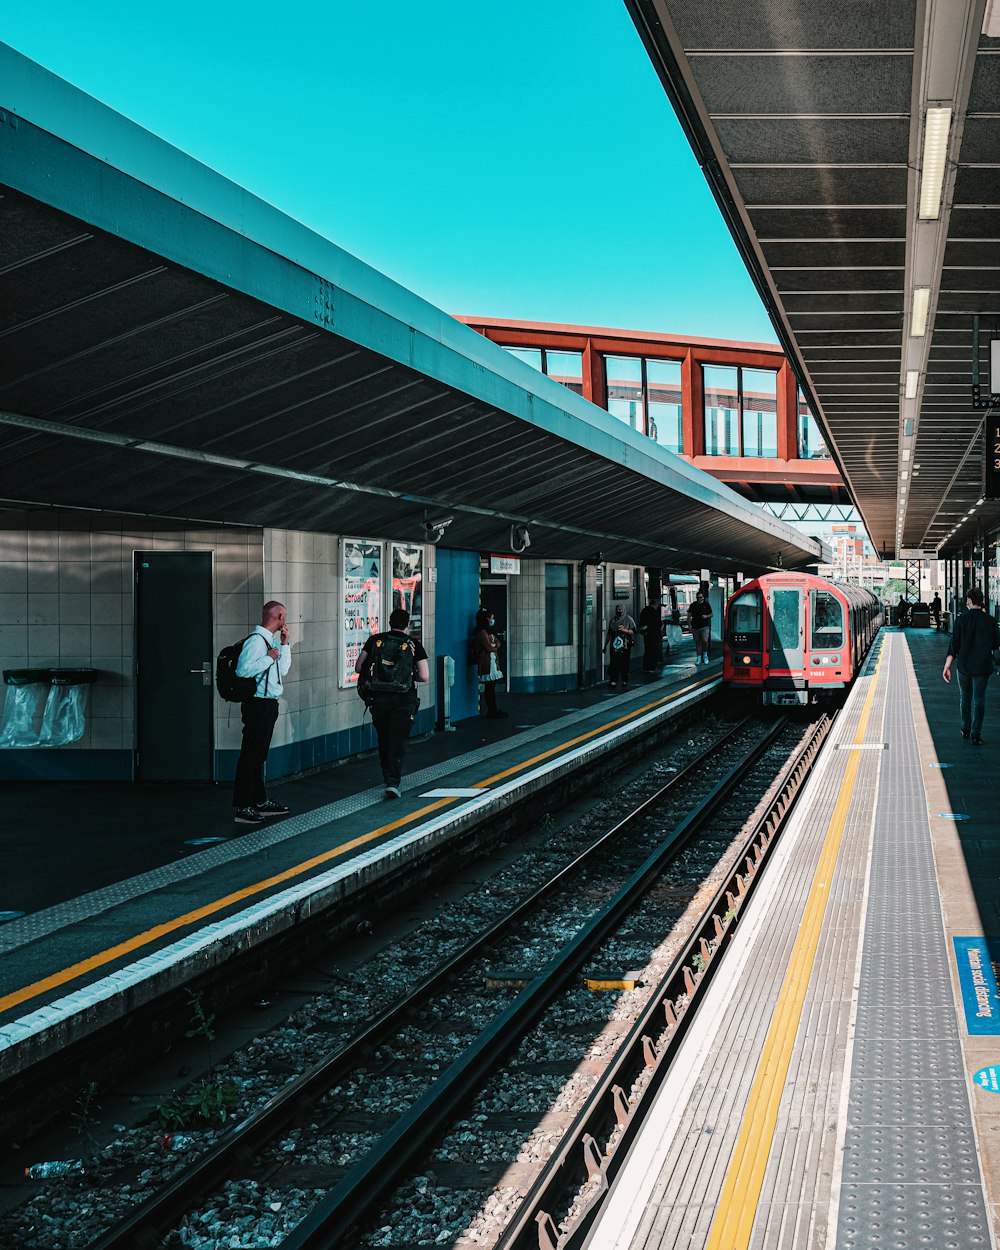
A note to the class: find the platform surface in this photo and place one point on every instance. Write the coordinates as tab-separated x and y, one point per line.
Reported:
838	1088
128	889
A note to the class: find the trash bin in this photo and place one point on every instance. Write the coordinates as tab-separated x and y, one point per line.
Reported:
45	707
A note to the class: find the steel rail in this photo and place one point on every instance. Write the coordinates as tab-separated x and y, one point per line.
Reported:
583	1158
150	1219
336	1218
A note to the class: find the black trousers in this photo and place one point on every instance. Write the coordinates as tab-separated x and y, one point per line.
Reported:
652	653
392	725
490	695
259	716
620	665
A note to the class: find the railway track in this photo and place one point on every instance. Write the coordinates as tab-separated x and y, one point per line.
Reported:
335	1140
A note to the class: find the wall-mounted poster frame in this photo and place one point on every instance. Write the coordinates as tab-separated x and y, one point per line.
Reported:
361	567
408	584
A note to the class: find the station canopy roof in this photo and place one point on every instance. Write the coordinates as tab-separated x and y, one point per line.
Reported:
854	149
176	348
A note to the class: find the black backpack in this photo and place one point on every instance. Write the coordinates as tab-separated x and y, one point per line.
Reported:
390	670
232	688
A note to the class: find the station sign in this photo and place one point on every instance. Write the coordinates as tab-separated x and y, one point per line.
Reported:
505	564
991	456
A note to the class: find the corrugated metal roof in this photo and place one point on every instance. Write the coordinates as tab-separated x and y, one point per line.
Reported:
175	347
809	118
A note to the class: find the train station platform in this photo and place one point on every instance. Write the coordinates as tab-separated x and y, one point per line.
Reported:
130	892
840	1085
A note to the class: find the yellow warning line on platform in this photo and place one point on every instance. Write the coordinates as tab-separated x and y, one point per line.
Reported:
737	1206
158	932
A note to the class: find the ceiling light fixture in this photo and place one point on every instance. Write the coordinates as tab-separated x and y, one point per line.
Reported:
912	377
918	312
937	124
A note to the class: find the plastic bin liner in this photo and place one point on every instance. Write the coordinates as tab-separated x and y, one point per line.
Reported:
27	689
63	717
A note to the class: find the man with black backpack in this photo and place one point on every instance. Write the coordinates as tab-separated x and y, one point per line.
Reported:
388	667
265	658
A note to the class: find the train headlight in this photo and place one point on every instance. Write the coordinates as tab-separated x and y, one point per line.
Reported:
750	660
826	659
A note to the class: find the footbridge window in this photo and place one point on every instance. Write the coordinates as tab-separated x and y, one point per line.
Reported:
741	411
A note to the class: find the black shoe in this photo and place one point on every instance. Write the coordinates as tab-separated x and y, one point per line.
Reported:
248	816
392	792
977	740
270	808
965	733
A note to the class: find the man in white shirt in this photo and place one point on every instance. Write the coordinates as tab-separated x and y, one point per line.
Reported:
266	656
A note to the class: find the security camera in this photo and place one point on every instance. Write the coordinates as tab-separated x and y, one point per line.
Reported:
520	539
434	530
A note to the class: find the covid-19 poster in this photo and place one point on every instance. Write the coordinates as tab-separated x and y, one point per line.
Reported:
362	565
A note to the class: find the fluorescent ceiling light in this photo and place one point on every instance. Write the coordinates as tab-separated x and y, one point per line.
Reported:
937	124
906	453
918	312
912	377
908	428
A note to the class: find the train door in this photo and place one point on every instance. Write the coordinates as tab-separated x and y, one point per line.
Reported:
785	634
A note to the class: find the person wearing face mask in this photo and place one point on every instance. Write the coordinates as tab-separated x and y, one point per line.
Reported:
488	647
621	632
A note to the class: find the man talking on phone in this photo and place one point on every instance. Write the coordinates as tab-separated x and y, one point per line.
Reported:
267	657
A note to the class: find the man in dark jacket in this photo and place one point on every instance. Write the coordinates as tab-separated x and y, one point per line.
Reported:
393	713
973	641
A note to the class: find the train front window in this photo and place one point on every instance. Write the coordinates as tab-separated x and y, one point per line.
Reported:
745	614
827	621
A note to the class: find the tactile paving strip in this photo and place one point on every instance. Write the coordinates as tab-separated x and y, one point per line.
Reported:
911	1174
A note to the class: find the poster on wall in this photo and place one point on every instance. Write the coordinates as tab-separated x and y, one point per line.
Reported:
362	566
408	584
622	584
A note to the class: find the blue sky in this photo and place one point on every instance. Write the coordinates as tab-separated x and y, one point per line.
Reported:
513	161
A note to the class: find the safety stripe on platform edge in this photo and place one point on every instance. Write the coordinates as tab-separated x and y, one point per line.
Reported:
737	1206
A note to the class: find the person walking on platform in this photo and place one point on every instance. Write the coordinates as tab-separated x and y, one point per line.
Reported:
267	657
488	646
700	624
621	632
973	641
652	636
397	663
936	610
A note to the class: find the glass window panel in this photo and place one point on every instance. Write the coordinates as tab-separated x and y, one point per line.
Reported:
811	444
760	412
567	368
663	385
558	605
827	622
530	355
745	614
786	647
720	411
624	374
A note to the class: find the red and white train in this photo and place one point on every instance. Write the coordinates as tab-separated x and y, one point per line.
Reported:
796	638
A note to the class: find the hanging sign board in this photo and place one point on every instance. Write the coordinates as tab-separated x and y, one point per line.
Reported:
505	564
622	583
991	455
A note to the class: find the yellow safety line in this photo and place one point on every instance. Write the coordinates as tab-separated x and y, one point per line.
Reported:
737	1205
139	940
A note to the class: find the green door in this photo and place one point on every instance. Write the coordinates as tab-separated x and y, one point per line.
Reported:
175	695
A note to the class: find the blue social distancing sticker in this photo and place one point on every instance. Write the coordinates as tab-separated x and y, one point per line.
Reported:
988	1079
978	959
